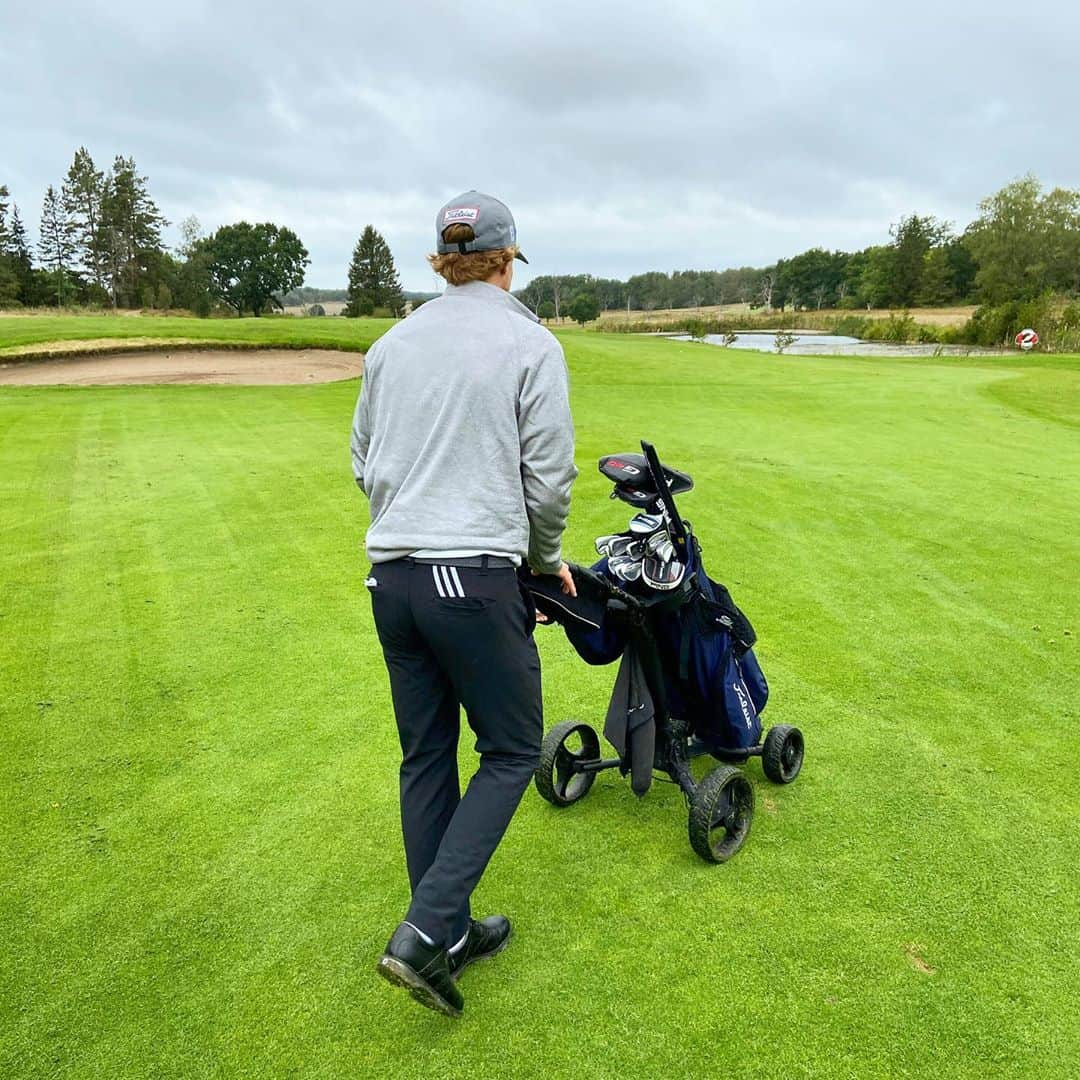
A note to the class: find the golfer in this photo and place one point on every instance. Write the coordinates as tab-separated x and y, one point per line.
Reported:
464	444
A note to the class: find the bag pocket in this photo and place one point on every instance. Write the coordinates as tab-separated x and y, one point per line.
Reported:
740	713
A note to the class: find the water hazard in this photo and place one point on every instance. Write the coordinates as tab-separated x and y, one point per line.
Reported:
811	344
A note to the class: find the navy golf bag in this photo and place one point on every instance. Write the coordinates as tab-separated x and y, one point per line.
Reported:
688	682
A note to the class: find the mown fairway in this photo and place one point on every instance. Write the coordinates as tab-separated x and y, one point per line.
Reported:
201	858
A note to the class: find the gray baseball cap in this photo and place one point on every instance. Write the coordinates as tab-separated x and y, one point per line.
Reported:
491	221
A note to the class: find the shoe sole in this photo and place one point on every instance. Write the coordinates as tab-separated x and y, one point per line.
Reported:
400	974
483	956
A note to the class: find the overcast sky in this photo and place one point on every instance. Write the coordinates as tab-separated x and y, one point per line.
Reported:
625	137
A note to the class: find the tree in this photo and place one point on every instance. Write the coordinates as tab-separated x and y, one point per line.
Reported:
5	195
130	231
16	266
584	308
248	265
19	254
765	288
190	234
373	279
1061	218
56	245
83	190
9	284
533	294
913	237
963	267
874	270
809	278
556	297
545	309
9	279
192	286
1009	241
936	279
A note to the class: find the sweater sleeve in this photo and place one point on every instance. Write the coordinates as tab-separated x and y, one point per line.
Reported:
360	437
546	431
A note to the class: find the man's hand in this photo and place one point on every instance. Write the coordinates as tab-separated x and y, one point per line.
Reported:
564	575
567	580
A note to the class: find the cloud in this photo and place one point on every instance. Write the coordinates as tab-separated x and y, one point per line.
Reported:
625	137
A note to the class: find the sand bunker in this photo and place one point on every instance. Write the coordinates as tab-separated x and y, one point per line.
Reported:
239	367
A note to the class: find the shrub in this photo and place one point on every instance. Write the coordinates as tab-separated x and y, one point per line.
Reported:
1069	319
899	329
857	326
698	329
784	339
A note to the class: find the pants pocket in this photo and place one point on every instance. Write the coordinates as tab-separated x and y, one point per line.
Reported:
465	603
530	609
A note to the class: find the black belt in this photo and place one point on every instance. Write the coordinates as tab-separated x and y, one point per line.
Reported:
480	562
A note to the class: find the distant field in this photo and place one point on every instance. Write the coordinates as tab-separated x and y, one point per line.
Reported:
33	333
947	316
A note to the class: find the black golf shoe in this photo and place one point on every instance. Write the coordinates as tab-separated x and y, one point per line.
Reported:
488	937
424	970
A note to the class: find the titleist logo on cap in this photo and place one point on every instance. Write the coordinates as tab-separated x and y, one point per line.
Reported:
461	213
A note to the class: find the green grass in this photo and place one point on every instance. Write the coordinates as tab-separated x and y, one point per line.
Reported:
17	332
198	807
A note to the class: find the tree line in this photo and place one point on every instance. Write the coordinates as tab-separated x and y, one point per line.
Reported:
99	240
99	244
1024	243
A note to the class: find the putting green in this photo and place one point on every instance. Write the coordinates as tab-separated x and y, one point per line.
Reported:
201	859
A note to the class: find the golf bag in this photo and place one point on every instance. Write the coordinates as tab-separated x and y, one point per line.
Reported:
711	675
688	682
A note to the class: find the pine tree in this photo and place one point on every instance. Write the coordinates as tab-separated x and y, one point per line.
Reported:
19	251
130	231
15	262
17	245
82	192
55	244
373	279
9	280
4	236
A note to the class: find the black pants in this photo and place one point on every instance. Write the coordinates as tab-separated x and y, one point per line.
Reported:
457	636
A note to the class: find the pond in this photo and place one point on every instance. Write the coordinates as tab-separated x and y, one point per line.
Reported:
813	344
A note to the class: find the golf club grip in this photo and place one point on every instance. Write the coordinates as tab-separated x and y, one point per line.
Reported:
678	530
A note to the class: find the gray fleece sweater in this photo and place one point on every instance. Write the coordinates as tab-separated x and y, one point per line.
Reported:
462	437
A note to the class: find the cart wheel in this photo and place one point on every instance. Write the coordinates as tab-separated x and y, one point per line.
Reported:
565	744
782	755
720	814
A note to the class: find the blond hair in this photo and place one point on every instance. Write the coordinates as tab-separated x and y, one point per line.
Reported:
458	268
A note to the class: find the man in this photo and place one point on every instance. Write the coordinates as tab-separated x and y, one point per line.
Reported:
464	444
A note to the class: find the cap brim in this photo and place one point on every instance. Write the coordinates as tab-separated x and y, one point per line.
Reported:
521	257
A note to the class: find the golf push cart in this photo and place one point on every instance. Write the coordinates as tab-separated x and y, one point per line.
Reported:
688	683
